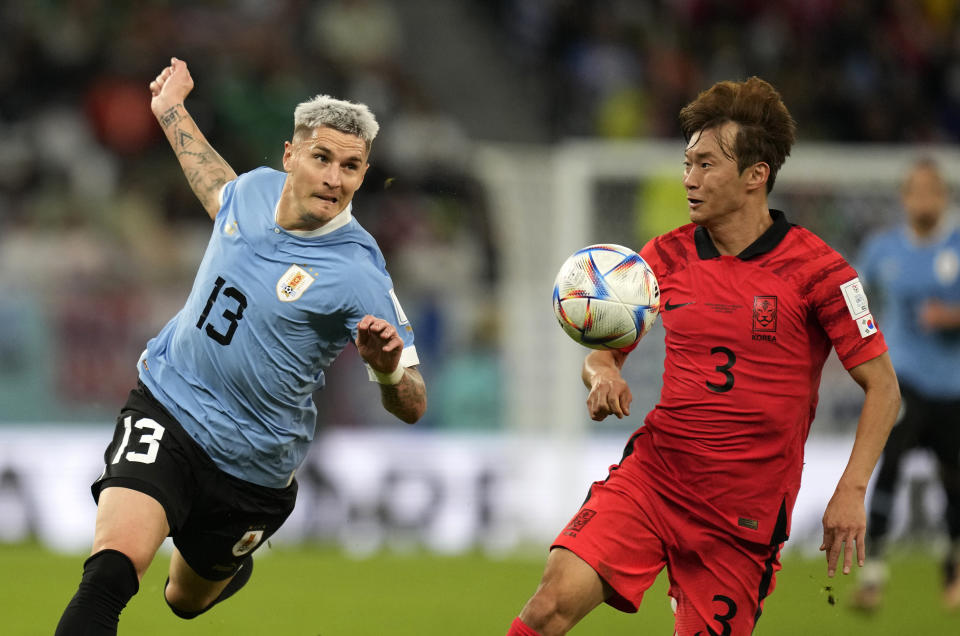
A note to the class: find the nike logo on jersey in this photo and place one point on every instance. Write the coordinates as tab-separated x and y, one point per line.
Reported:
670	307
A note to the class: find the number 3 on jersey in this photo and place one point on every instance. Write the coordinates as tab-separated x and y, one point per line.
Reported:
233	315
723	369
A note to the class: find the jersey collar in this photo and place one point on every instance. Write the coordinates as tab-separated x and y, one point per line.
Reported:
335	223
766	241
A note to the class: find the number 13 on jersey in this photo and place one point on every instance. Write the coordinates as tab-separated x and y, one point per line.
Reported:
151	438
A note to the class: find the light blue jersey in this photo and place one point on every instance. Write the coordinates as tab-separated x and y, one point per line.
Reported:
268	312
906	273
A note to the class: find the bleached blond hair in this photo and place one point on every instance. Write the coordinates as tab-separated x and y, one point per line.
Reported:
347	117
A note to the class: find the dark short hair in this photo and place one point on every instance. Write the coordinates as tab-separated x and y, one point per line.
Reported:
766	128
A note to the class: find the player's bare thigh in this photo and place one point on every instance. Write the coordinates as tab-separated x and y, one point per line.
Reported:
130	522
568	591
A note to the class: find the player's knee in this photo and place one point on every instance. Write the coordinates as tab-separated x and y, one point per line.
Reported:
113	571
109	581
185	605
191	603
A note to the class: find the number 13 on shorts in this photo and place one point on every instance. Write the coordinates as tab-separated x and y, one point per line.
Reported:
151	438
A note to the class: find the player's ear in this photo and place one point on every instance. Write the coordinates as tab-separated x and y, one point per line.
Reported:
288	149
757	175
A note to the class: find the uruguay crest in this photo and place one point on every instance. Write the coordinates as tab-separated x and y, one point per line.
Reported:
293	283
250	539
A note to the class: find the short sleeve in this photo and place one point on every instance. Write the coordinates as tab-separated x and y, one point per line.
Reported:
225	193
387	306
374	295
842	309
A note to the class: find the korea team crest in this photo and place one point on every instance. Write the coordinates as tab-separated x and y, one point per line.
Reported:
250	539
293	283
764	313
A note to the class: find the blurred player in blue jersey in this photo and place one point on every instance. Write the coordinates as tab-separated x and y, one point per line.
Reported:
915	269
206	448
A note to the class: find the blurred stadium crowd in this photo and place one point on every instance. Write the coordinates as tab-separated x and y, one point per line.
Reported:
886	70
100	234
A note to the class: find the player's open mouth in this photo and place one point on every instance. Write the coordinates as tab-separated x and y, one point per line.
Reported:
326	198
694	202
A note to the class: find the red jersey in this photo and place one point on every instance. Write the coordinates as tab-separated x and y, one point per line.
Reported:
746	340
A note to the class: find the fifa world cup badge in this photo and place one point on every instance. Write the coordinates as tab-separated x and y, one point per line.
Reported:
856	300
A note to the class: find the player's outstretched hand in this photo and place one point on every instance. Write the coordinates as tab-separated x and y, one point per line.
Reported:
379	344
844	526
170	87
609	395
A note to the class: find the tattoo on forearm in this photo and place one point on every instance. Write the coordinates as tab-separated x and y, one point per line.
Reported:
206	183
205	170
170	116
200	158
183	138
406	398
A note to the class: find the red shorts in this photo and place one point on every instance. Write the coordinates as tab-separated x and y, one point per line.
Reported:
628	533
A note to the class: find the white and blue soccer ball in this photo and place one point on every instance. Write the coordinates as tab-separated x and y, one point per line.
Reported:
606	296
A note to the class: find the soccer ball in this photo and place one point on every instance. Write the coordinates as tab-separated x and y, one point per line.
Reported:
606	296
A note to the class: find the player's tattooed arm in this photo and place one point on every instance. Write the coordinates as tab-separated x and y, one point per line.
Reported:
206	171
408	398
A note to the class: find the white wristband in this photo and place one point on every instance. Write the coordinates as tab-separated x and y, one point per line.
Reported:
389	378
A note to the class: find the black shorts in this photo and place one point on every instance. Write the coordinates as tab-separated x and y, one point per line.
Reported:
927	423
215	519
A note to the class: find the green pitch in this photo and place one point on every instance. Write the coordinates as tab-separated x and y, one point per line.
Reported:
320	592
